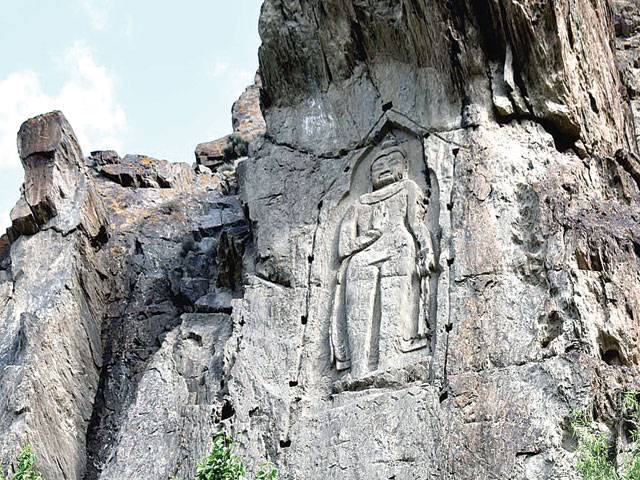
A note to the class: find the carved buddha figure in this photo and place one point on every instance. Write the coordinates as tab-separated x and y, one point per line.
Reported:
386	254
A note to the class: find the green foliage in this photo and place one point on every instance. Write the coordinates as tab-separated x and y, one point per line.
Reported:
267	471
238	147
593	450
26	466
221	463
594	462
631	411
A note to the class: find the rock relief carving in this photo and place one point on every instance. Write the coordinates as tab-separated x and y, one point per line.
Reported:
382	298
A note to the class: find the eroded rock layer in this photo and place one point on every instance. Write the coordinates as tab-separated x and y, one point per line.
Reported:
425	266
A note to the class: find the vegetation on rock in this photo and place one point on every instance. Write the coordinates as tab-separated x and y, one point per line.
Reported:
222	464
238	147
594	447
26	469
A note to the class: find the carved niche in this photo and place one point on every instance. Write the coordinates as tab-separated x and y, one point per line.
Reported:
383	296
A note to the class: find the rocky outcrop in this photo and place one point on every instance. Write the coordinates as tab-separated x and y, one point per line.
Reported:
330	67
425	266
167	317
52	301
529	312
56	192
103	318
248	124
627	23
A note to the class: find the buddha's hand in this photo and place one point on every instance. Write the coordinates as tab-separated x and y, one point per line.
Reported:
426	263
369	237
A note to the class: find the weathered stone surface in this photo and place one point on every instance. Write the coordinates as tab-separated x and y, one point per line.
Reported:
51	303
248	124
160	390
140	171
627	24
213	154
533	241
56	192
329	67
246	116
427	264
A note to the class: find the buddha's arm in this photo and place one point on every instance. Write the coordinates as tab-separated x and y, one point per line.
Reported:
416	219
350	240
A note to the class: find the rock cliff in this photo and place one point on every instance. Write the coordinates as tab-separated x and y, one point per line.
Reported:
425	265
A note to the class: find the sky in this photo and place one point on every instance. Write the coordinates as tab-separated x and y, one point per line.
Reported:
154	77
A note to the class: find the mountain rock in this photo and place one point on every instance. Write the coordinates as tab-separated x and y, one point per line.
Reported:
422	269
248	124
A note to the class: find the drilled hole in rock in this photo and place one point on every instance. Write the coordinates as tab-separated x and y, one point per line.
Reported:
310	258
450	261
227	411
611	357
444	395
293	383
449	206
101	238
610	351
195	338
594	104
448	327
387	106
455	151
285	443
303	319
126	181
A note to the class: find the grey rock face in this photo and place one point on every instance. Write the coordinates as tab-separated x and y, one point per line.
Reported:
56	193
427	264
107	326
329	68
533	222
51	302
248	124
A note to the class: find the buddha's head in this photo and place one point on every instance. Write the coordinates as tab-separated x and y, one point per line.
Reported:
389	165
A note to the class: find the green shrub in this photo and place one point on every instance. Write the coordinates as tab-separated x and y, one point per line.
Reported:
594	462
593	450
267	471
26	466
238	147
221	463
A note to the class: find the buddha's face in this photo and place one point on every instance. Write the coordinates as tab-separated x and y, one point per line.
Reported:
387	169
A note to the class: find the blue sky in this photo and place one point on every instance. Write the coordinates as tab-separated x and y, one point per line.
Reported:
139	76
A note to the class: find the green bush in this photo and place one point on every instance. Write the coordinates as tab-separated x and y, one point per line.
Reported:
26	467
594	462
593	450
238	147
223	464
267	472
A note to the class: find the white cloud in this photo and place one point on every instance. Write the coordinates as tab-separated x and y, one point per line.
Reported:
87	99
98	12
218	69
233	73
